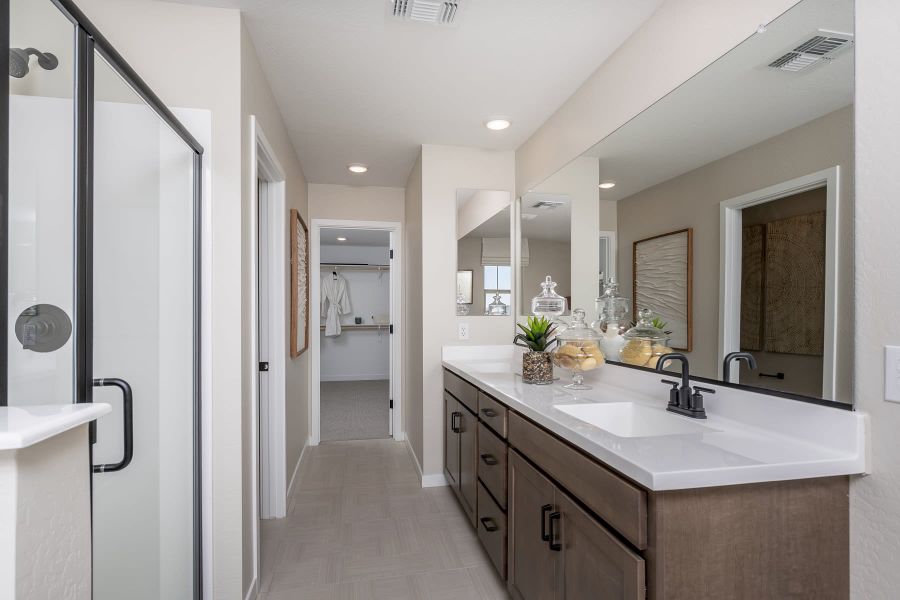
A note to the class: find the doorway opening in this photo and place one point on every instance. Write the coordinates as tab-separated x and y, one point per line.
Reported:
778	285
356	349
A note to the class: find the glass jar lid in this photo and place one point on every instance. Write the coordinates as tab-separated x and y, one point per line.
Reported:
578	330
548	303
644	329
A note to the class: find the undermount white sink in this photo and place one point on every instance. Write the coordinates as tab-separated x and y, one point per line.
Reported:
627	419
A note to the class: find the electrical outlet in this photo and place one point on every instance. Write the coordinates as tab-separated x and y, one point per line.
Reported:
892	373
463	331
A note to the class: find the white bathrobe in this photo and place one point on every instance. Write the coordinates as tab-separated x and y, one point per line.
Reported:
337	298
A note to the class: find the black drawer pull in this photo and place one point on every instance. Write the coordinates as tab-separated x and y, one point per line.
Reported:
489	412
555	546
489	459
489	524
544	510
454	423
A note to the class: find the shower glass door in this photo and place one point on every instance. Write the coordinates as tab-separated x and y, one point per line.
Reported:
143	335
99	280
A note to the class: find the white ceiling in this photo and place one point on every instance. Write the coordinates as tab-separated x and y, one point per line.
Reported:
734	103
355	237
354	87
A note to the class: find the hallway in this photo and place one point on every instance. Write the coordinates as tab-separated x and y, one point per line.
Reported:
359	526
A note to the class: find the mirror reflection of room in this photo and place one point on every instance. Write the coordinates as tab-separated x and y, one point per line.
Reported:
728	207
484	253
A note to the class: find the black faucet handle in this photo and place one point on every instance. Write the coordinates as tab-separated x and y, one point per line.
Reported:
697	388
670	382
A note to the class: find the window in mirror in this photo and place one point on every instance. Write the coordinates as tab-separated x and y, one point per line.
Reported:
483	248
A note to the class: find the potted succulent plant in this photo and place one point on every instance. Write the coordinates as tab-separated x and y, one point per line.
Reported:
537	336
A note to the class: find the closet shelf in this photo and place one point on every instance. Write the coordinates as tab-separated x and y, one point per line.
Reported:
370	326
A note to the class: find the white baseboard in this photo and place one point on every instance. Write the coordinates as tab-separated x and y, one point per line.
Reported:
427	480
290	489
363	377
253	590
434	480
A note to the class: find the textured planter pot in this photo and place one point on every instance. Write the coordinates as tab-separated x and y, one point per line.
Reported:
537	368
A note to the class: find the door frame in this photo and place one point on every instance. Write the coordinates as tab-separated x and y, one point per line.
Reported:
730	253
267	416
396	274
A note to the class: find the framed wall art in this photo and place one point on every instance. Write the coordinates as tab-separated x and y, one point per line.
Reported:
663	280
299	284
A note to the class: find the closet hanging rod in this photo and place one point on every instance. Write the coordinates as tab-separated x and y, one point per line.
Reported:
348	267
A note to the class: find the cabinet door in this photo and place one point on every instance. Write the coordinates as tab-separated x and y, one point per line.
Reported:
468	462
594	563
532	564
451	440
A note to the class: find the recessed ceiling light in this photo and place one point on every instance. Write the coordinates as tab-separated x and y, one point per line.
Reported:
342	239
497	123
357	168
607	185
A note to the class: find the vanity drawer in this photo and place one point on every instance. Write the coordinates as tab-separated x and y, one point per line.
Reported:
492	464
492	530
492	413
617	501
462	390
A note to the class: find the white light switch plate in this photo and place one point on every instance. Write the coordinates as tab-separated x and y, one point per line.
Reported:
463	331
892	373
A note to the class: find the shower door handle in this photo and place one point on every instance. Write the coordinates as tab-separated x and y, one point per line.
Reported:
127	422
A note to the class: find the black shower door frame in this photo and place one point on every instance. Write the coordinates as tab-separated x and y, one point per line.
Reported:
88	40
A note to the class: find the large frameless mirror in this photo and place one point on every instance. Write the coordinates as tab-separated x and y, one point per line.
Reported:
722	216
483	253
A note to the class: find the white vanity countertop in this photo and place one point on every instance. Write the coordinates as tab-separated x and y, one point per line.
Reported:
755	437
23	426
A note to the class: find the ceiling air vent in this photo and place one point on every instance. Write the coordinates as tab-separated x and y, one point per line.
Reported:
820	47
548	204
437	12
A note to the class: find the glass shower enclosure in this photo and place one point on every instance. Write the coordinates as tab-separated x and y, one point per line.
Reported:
99	252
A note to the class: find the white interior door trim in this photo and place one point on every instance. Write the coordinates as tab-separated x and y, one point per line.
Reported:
730	223
267	419
396	231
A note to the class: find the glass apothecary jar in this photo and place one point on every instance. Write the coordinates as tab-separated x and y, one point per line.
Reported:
548	303
644	343
578	350
612	320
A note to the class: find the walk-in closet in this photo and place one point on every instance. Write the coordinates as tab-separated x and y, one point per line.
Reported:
354	332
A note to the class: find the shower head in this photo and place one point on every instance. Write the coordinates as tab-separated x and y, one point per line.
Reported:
18	61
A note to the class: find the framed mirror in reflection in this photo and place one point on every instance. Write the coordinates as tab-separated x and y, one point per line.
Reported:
754	157
483	253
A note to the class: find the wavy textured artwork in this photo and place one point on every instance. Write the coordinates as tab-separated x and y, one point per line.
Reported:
662	282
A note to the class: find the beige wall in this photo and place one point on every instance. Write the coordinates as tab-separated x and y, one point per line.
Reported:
579	180
468	257
257	100
644	69
199	66
692	200
360	203
444	170
412	311
874	504
546	258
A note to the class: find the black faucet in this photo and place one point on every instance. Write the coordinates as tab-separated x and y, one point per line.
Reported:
683	400
736	356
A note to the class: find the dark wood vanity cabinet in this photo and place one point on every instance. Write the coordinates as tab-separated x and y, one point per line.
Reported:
557	550
559	524
461	448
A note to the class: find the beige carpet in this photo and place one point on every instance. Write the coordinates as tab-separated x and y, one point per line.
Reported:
354	410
